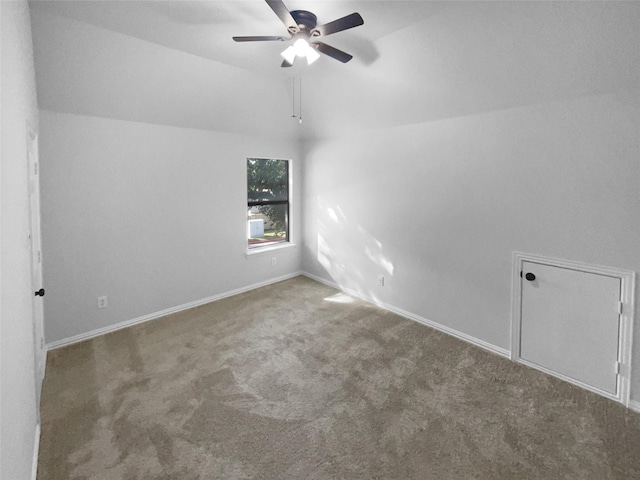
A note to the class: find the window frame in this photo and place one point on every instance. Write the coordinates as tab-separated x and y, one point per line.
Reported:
269	246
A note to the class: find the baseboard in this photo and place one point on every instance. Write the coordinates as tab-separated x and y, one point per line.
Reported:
416	318
152	316
36	449
634	405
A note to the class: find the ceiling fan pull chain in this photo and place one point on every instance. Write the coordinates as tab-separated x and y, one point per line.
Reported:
300	101
293	97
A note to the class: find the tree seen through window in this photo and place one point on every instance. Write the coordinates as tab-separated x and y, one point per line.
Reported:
267	201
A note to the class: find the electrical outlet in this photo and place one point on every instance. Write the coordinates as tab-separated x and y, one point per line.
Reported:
381	280
102	302
273	261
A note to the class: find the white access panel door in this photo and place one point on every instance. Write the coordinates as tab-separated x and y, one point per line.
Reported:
570	324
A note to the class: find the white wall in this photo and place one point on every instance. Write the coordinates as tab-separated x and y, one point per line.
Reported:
440	207
19	415
151	216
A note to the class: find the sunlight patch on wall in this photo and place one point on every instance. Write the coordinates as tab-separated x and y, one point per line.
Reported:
324	253
379	260
373	251
332	214
343	245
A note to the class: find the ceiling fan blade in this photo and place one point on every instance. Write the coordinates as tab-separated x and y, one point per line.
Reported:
344	23
260	39
332	52
286	64
284	15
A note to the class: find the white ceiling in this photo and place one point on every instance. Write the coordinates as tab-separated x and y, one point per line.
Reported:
414	61
205	28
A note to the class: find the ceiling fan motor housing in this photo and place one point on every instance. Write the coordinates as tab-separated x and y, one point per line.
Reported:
306	22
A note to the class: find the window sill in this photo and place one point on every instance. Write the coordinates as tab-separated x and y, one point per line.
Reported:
259	250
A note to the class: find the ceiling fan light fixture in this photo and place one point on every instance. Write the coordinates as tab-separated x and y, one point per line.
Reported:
289	54
301	47
312	55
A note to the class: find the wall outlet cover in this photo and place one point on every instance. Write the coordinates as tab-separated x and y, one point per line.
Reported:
102	302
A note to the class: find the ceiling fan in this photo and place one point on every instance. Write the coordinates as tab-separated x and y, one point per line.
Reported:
302	27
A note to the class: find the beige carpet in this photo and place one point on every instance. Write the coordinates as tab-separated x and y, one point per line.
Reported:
298	381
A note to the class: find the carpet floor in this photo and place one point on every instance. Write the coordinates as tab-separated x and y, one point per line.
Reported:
299	381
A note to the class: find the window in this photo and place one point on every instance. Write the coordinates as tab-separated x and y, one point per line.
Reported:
267	202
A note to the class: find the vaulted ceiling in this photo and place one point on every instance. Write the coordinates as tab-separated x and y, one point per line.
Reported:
173	62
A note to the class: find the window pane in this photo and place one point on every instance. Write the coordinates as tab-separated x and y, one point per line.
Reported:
267	224
267	179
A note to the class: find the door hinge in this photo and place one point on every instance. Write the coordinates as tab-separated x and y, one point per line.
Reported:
35	168
620	304
39	256
617	368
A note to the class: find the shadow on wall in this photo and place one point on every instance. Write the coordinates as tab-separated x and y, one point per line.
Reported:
343	245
